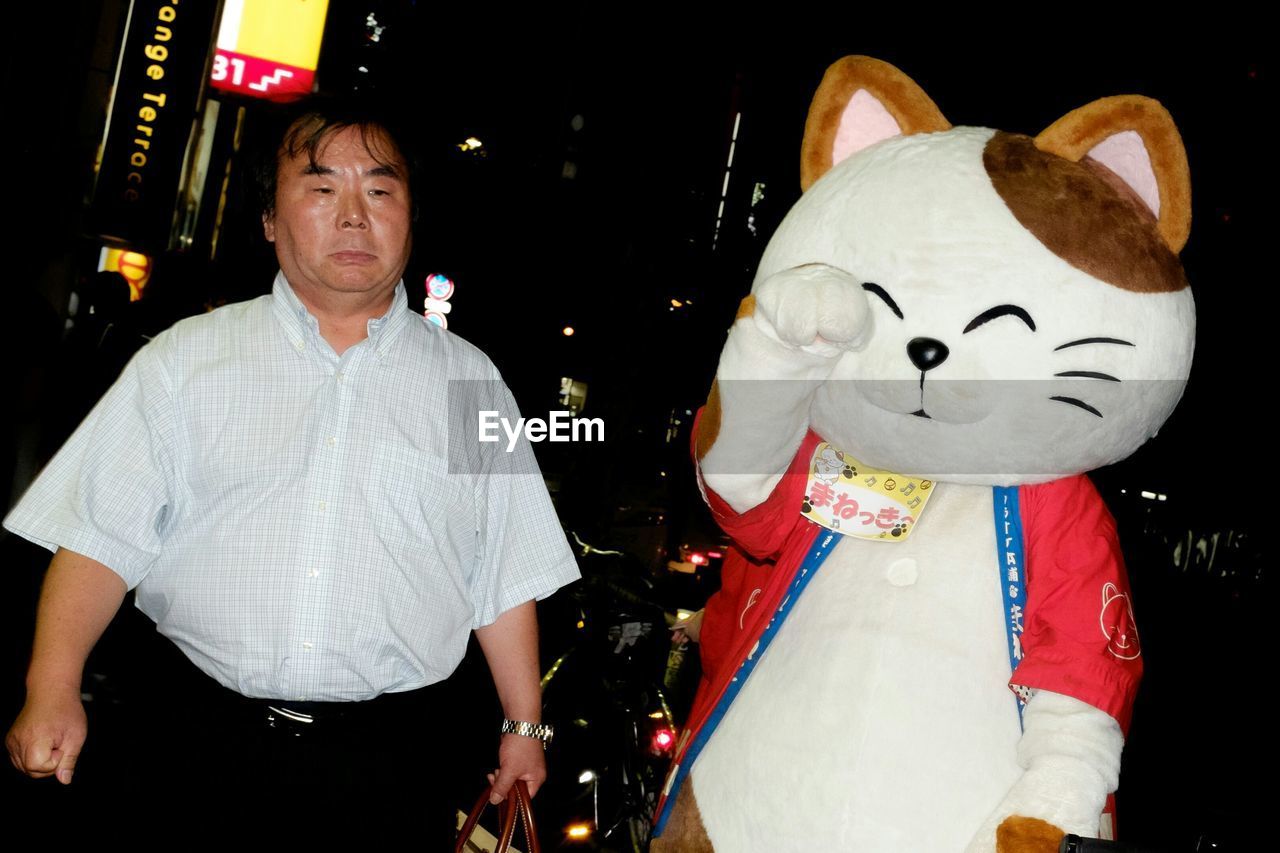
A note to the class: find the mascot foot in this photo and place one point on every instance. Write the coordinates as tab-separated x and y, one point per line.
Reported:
1027	835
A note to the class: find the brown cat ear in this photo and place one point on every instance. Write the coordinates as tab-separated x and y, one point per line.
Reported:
861	101
1135	138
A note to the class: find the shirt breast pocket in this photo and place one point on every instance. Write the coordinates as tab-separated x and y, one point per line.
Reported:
417	504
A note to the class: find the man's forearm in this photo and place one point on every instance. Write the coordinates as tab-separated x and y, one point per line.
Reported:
77	602
510	646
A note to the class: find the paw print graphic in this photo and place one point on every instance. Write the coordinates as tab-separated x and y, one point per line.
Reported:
849	472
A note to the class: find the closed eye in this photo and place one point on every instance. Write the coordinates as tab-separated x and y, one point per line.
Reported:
872	287
1084	341
997	312
1088	374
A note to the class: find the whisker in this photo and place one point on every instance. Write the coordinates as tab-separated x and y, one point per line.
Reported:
1084	341
1081	403
1087	374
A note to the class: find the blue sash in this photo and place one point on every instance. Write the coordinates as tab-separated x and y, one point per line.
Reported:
1013	574
822	547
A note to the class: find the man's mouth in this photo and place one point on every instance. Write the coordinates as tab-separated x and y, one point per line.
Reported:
352	256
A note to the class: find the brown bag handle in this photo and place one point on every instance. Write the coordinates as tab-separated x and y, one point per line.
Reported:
516	808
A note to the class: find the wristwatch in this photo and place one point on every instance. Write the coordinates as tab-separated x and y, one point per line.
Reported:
540	731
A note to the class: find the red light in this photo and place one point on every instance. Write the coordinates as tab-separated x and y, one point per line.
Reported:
698	559
662	739
715	555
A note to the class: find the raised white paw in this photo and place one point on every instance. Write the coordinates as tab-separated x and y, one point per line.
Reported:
815	308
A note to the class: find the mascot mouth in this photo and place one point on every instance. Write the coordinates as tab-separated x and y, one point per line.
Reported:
921	413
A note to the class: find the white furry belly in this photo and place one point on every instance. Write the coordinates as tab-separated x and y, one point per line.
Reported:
878	719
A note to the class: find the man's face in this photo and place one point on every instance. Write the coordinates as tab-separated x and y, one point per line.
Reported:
342	224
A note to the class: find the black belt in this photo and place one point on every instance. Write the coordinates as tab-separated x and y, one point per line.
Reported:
301	718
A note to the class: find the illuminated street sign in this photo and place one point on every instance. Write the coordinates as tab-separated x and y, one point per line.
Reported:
268	48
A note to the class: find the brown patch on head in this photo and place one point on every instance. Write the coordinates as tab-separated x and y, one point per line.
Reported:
684	832
1084	214
902	97
1079	131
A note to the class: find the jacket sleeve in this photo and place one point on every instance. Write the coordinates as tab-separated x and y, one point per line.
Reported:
762	530
758	535
1079	639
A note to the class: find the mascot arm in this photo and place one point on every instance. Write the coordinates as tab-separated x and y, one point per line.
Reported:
786	341
1082	664
1070	752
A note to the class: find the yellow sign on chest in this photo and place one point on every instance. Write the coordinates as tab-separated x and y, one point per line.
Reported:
854	499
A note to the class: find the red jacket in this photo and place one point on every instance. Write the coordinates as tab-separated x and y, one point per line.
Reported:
1079	638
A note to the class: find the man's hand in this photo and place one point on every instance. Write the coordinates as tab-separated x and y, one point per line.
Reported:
519	757
688	629
47	736
510	645
77	600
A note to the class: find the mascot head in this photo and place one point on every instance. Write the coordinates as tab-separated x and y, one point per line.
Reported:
1031	318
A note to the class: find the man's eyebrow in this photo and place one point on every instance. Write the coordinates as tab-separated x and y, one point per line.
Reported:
317	169
384	171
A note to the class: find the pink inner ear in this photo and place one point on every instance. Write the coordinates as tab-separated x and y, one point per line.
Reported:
864	122
1126	155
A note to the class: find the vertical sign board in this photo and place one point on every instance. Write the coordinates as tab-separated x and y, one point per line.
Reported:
158	80
268	48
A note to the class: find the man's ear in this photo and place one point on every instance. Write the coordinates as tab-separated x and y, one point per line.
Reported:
269	227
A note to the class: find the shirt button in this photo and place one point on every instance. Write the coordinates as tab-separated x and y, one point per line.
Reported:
307	646
321	505
300	345
331	441
315	573
338	376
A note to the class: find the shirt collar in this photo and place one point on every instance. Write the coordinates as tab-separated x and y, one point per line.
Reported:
303	328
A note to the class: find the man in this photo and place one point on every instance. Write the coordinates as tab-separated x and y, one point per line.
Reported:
279	481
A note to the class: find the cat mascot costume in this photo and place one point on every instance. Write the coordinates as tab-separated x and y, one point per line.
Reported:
948	329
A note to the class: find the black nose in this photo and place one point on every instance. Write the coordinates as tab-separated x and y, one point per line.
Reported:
927	353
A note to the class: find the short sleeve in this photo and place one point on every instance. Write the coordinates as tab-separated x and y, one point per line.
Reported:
107	494
522	552
1079	638
762	530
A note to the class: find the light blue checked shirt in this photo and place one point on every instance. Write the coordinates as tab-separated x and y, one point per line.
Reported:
305	525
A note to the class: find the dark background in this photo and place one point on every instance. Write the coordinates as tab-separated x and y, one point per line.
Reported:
600	228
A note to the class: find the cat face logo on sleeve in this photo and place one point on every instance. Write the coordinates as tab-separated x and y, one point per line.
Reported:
854	499
1118	625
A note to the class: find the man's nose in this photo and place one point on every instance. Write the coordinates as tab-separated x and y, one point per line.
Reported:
353	213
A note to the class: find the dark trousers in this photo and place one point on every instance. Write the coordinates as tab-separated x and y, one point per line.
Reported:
204	758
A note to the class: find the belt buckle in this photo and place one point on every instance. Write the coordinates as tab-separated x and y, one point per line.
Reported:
288	721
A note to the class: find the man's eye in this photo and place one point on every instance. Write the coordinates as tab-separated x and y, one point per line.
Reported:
379	192
323	190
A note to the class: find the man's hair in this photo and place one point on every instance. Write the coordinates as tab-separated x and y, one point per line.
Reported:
305	126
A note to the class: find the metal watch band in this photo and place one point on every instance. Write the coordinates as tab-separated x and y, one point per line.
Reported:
539	731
